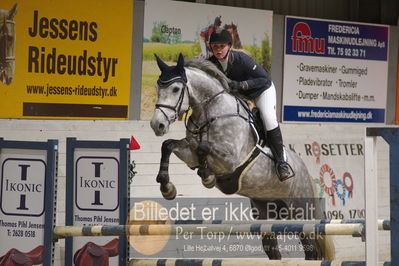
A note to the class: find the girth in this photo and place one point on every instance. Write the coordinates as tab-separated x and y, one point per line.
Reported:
230	183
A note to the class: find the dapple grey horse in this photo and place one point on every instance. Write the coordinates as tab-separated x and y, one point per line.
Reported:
220	141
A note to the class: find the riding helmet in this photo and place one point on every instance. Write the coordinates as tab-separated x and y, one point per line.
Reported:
221	36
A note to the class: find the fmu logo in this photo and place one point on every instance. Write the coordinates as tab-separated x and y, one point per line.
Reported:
303	42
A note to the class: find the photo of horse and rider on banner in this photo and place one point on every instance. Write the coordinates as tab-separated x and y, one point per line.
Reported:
167	34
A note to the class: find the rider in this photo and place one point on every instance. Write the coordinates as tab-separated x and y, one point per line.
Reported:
250	79
205	35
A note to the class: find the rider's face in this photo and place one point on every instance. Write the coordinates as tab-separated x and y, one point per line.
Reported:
220	50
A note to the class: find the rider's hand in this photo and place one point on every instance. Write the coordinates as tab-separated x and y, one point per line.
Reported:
235	85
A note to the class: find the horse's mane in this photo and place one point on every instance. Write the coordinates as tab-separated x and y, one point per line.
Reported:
210	69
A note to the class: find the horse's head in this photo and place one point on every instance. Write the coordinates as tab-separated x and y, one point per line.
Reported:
171	88
233	29
7	45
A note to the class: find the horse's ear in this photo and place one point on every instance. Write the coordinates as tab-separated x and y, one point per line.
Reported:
12	12
161	64
180	61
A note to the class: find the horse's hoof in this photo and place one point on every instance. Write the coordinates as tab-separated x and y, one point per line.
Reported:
209	182
168	191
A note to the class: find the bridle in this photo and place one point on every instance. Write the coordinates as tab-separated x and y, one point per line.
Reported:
177	108
4	57
204	127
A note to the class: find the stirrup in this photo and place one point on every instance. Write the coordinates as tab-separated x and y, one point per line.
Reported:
283	178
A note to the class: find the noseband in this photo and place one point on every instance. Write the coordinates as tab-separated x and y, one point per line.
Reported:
177	107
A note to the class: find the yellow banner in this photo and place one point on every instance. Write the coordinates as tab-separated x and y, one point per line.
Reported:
65	58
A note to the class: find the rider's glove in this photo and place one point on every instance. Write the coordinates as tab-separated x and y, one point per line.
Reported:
235	85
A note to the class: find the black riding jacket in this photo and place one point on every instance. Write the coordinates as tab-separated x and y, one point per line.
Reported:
241	67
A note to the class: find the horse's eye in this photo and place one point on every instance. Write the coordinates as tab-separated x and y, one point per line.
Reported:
176	89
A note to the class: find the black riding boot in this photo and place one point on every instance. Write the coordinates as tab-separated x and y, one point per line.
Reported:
276	145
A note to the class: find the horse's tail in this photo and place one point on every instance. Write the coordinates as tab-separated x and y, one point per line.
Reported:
237	44
326	246
325	243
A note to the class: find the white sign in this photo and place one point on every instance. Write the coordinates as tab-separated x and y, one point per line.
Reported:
23	184
337	169
96	192
97	183
22	199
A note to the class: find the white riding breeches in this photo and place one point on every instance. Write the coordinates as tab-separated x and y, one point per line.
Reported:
266	103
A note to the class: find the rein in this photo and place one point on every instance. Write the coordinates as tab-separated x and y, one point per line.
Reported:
209	120
204	127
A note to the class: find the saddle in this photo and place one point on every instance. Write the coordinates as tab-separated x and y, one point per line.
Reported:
258	129
231	183
15	257
95	255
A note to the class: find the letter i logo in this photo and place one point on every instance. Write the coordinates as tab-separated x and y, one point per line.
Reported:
24	174
97	168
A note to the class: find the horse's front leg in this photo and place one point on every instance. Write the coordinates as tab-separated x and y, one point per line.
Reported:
182	150
167	188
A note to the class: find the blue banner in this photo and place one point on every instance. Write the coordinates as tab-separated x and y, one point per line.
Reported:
336	39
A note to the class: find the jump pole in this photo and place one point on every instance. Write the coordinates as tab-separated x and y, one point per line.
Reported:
383	225
244	261
391	136
198	229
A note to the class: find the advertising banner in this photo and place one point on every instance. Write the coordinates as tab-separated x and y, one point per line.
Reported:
172	27
64	59
97	194
334	71
27	182
337	168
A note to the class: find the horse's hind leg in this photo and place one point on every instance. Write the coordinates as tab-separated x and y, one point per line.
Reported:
318	247
311	248
270	246
269	243
311	210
